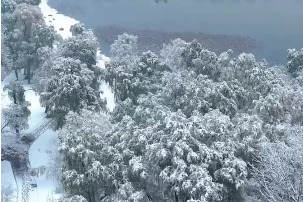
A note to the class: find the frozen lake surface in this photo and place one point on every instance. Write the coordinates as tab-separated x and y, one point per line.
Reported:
275	24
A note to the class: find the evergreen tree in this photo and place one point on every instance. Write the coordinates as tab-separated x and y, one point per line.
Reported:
15	92
6	58
280	169
77	29
68	89
132	80
83	165
125	48
25	16
295	62
15	117
171	54
190	125
83	47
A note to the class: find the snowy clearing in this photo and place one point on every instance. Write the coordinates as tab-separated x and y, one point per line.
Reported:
58	21
42	149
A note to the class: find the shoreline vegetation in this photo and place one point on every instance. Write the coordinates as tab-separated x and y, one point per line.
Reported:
154	40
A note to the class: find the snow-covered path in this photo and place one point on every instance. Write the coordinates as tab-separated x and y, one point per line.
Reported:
41	156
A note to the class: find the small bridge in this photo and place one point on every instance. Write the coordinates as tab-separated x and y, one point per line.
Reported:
28	174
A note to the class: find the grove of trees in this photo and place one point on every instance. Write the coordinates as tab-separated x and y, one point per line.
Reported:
189	125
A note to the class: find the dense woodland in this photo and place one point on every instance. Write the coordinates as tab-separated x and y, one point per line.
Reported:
189	125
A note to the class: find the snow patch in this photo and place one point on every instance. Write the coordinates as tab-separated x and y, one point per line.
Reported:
41	150
61	23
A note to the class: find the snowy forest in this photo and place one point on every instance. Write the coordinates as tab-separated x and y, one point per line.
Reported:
188	125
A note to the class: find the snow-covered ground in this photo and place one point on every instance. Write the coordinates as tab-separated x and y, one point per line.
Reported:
40	152
58	21
41	156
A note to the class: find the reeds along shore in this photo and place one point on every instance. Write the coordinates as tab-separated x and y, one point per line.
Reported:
153	40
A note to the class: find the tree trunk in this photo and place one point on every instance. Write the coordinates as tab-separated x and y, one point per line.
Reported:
24	71
176	197
29	72
15	98
16	74
17	131
46	109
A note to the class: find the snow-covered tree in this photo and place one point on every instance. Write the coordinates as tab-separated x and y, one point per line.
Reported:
7	30
25	16
83	47
169	157
31	2
292	102
199	93
15	117
46	57
187	125
248	136
140	77
42	38
75	198
83	139
7	20
171	53
6	58
202	61
77	29
15	92
125	48
295	62
254	76
42	35
8	6
270	109
68	88
280	170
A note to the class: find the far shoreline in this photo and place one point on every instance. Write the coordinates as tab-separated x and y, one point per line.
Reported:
154	40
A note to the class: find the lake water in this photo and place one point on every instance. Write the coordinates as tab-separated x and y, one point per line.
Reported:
276	24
